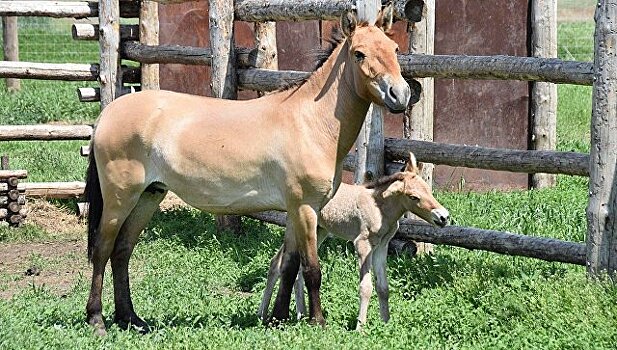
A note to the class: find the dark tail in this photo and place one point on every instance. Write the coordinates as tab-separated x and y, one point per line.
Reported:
95	200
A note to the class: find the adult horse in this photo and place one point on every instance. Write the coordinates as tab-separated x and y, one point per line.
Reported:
283	151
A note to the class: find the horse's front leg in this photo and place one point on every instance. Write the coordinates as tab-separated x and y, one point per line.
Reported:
380	256
365	250
273	275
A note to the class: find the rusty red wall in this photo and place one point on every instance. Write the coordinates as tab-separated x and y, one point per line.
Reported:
485	113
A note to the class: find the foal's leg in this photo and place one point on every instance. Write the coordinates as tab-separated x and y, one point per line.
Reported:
379	267
113	216
125	243
273	275
365	253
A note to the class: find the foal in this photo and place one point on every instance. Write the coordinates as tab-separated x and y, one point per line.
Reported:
367	215
283	151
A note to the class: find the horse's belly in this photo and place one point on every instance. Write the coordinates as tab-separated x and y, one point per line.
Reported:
231	200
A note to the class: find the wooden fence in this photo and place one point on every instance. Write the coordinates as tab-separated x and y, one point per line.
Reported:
235	68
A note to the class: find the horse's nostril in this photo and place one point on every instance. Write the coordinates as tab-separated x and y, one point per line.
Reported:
392	94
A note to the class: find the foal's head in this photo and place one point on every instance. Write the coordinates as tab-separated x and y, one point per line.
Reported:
372	54
415	195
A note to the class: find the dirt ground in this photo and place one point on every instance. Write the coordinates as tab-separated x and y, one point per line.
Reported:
57	262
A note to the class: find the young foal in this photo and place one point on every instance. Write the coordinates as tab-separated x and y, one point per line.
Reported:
368	215
283	151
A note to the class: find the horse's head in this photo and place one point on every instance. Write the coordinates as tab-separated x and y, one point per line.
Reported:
372	54
416	196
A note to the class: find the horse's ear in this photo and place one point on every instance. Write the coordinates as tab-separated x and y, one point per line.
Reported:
385	18
348	23
394	188
420	167
412	164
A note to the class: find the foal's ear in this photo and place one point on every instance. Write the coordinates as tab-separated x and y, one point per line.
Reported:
412	164
349	21
394	188
385	18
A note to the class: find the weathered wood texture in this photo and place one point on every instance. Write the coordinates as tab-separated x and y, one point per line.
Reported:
149	35
50	189
497	67
178	54
87	31
265	55
519	161
418	119
19	174
543	121
44	132
109	45
10	43
602	208
224	80
548	249
49	71
297	10
94	94
369	145
61	9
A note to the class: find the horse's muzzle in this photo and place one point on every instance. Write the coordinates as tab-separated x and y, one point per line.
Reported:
397	97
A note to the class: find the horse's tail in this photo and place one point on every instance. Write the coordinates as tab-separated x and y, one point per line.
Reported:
95	201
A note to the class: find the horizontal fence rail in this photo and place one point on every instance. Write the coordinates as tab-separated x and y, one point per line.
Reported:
44	132
548	249
190	55
61	71
62	9
518	161
56	190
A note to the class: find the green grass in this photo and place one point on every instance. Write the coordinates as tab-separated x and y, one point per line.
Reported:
201	290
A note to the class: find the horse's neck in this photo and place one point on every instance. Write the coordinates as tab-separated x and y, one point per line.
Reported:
391	207
340	112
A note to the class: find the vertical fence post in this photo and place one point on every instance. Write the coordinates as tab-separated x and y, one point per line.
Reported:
266	56
418	122
10	42
602	208
543	119
370	143
224	80
149	35
109	42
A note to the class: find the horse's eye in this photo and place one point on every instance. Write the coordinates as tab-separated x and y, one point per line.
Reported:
414	198
359	56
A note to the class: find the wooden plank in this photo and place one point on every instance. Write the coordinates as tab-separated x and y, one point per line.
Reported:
149	35
109	45
548	249
543	121
602	208
90	32
61	9
44	132
19	174
224	81
10	43
49	71
517	161
50	189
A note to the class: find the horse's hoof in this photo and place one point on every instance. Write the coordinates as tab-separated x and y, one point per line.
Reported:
134	323
100	332
99	326
320	321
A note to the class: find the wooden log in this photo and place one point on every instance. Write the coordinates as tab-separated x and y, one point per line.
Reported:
15	219
543	97
87	31
403	246
149	35
497	67
297	10
12	194
418	120
109	45
519	161
49	189
10	43
602	208
84	151
178	54
266	80
266	55
23	212
14	207
61	9
130	75
44	132
7	174
49	71
12	181
94	94
224	80
548	249
4	200
3	213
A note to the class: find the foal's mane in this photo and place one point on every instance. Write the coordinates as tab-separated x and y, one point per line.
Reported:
385	181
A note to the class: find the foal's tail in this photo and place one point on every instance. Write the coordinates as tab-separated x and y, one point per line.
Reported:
95	200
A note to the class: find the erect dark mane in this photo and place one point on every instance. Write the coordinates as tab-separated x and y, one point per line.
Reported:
386	180
321	55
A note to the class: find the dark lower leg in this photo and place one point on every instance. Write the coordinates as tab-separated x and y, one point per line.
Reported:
125	314
289	271
312	278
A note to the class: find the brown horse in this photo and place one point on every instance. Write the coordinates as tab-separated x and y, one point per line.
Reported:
368	215
283	151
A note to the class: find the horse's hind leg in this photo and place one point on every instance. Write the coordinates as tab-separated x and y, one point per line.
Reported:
127	238
113	216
